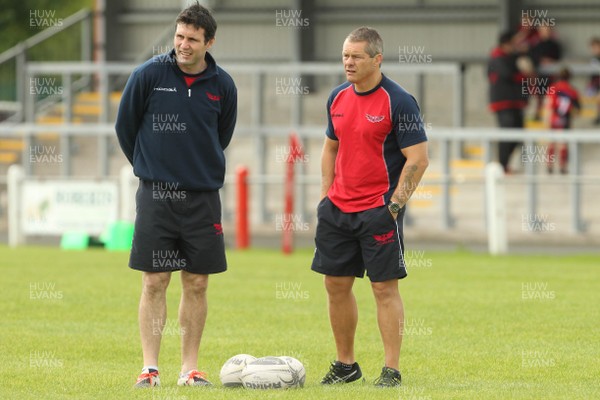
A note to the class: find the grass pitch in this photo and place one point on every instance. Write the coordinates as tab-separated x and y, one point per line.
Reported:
518	327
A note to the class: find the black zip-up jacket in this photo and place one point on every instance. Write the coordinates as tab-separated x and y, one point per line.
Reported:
506	82
175	134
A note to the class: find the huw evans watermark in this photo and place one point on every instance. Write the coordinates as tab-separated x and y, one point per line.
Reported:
290	291
163	191
537	223
291	19
44	359
294	154
417	259
44	291
410	54
161	49
166	328
43	19
294	354
167	123
537	359
413	123
290	222
536	154
45	87
289	86
533	19
44	155
168	259
415	327
536	291
536	86
420	191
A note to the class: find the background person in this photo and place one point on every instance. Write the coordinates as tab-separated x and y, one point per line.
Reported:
593	87
506	96
563	101
545	53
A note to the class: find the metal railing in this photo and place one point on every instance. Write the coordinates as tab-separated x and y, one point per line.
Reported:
442	138
257	72
447	140
19	53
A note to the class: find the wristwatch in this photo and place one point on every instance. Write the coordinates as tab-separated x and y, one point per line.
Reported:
394	207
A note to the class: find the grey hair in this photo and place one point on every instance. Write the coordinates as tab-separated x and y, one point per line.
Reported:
371	36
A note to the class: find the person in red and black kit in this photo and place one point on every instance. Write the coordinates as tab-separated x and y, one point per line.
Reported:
563	101
545	53
593	87
507	99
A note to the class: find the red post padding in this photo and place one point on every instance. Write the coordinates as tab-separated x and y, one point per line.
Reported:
241	218
296	153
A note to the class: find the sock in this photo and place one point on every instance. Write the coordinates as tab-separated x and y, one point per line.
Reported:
148	368
347	367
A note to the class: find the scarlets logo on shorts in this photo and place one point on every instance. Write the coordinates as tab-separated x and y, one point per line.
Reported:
218	229
384	238
374	118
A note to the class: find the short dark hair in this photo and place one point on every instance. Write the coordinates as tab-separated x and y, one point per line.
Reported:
200	17
506	37
564	74
371	36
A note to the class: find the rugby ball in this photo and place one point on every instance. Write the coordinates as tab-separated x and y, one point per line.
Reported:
274	373
231	372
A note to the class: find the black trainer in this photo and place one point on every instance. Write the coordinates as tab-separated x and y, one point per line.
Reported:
389	378
338	373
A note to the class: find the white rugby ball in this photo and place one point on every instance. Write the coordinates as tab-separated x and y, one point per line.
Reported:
274	373
231	372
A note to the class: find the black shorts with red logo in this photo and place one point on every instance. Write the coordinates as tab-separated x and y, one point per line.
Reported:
348	244
177	230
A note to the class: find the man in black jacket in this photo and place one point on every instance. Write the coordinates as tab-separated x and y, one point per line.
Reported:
507	99
176	117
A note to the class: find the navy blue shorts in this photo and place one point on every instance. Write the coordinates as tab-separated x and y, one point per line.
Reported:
177	230
348	244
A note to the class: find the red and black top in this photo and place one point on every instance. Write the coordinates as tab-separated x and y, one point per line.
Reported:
563	98
506	82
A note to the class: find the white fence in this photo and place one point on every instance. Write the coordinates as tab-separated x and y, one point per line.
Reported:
445	141
441	139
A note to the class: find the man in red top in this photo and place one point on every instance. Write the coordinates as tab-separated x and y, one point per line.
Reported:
374	156
563	100
507	100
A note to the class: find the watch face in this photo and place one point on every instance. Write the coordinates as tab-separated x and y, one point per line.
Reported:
394	207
